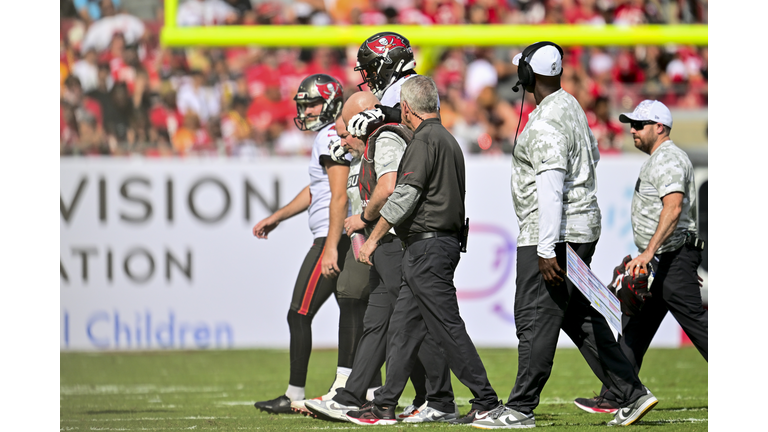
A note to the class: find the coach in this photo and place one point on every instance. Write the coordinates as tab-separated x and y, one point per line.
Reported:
554	190
427	210
664	216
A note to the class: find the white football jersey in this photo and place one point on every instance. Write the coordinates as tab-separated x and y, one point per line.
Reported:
391	95
319	187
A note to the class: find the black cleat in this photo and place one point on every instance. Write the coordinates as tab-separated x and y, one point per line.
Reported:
280	405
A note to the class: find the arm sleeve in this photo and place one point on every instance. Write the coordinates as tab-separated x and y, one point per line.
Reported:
549	185
400	204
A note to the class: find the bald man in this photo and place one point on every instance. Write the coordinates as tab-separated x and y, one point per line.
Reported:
372	178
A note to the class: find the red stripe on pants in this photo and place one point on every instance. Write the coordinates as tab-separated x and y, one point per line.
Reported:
310	290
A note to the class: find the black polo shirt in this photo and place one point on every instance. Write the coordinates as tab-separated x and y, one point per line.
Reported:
433	162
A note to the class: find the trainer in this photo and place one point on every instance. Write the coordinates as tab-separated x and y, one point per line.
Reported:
427	209
554	190
664	217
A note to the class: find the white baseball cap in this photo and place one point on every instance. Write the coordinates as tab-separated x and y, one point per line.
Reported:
545	61
649	110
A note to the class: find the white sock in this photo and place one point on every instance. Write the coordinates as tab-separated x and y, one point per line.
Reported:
295	393
341	380
369	394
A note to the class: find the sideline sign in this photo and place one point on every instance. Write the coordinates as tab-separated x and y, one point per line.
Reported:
598	295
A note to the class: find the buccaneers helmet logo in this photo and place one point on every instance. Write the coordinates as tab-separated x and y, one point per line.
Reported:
383	45
328	91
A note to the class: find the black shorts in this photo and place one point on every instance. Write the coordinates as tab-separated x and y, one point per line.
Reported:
312	289
354	279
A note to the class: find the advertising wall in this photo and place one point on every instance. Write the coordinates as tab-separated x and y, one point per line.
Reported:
159	254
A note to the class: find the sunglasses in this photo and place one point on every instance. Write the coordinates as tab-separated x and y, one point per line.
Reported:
640	125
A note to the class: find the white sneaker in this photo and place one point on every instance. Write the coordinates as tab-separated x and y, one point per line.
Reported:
430	414
411	410
329	409
299	406
635	411
502	417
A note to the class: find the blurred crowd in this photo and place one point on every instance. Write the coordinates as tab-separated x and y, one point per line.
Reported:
123	94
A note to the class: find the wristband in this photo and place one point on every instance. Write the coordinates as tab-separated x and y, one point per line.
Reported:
366	221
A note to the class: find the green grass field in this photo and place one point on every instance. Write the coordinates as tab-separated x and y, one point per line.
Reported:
215	390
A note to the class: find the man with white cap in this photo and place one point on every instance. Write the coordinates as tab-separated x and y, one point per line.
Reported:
554	189
664	218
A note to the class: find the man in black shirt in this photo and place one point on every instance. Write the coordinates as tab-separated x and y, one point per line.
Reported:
427	211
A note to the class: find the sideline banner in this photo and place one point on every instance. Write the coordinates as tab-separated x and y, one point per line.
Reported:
158	254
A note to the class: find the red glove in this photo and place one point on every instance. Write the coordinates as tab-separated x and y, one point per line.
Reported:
633	292
618	273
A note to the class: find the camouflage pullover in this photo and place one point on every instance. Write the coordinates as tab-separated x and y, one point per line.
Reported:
557	136
668	170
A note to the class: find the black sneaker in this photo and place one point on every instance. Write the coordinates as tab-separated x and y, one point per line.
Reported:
370	414
280	405
467	419
597	405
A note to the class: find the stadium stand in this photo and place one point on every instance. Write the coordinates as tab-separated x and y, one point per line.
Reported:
122	93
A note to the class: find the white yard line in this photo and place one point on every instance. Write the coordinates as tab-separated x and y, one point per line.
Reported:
150	419
83	390
688	420
201	428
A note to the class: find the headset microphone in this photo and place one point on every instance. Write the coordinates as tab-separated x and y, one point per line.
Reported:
516	87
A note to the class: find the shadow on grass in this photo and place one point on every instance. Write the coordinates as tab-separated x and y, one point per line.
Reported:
128	411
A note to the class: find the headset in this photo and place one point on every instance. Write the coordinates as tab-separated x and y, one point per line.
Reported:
525	74
526	77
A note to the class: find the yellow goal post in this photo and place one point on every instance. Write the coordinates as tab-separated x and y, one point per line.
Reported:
428	36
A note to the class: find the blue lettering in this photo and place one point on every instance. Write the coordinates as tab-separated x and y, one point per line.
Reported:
106	330
98	316
202	336
138	330
167	328
183	328
149	329
66	329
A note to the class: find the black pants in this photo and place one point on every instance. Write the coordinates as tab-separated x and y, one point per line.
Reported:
310	292
427	304
385	277
541	310
675	289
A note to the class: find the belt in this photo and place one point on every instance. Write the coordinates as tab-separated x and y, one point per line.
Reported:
427	235
388	238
